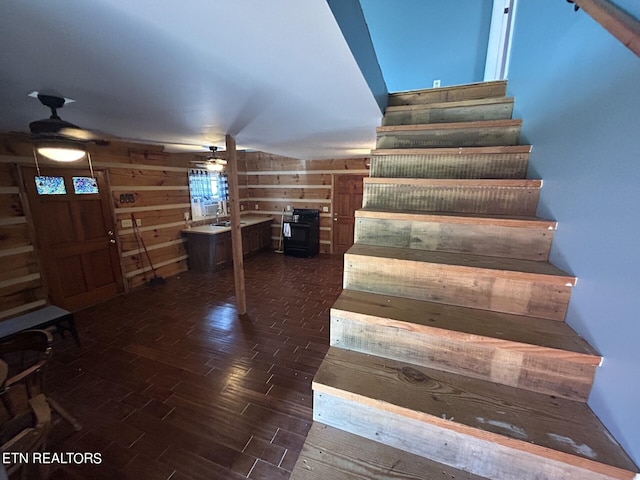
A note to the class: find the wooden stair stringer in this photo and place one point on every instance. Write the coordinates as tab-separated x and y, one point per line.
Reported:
535	354
476	426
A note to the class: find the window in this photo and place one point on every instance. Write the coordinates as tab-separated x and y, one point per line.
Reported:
208	192
50	185
84	185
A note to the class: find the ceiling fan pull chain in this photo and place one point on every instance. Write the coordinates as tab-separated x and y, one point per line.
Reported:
35	157
91	167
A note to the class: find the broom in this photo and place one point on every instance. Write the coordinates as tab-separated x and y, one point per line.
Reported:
280	250
156	279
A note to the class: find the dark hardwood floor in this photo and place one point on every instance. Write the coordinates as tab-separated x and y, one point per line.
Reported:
170	384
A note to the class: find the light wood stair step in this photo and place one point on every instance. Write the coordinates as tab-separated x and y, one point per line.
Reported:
527	238
498	108
487	429
332	454
440	135
501	197
454	93
521	287
536	354
468	162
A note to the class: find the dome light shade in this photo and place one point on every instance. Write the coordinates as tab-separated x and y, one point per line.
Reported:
61	150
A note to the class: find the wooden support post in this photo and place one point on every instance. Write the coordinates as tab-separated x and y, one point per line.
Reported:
236	234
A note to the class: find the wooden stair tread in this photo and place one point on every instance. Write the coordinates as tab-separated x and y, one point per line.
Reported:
454	150
330	453
424	127
550	427
467	218
510	268
455	104
456	183
514	331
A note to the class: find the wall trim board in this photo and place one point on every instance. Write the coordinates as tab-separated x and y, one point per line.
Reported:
129	253
22	308
150	228
18	280
289	200
342	171
16	251
120	188
172	206
139	271
279	212
12	221
301	186
96	163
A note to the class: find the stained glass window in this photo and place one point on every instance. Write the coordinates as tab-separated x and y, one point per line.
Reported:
50	185
83	185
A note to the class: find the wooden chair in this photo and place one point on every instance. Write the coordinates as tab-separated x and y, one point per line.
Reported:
24	429
28	415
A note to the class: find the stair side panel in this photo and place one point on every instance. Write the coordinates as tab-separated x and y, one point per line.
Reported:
469	198
450	165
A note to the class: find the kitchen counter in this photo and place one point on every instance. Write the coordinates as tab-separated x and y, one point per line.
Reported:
245	221
209	246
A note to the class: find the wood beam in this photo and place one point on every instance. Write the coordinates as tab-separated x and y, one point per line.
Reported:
616	21
236	234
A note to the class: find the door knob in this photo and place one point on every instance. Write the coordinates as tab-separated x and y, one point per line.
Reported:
112	240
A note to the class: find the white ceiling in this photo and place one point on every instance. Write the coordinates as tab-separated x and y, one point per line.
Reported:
276	74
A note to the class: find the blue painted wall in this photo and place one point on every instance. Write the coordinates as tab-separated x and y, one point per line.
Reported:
418	41
629	6
578	92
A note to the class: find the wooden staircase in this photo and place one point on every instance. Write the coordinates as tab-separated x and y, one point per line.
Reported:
449	353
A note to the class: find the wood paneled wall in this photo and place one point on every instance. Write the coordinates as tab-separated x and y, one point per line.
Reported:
21	284
272	182
158	182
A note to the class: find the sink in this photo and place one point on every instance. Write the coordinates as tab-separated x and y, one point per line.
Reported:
226	224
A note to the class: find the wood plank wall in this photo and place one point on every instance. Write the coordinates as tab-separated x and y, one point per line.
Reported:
273	182
21	284
159	184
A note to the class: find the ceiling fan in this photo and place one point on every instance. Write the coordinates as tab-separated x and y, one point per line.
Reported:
213	162
58	139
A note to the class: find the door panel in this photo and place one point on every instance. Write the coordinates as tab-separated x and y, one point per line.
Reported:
76	239
347	198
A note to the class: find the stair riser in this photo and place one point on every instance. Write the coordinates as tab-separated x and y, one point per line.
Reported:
449	115
445	442
466	287
539	370
439	95
511	166
508	201
495	241
458	137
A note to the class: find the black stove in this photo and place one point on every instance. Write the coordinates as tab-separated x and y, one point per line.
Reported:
302	233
